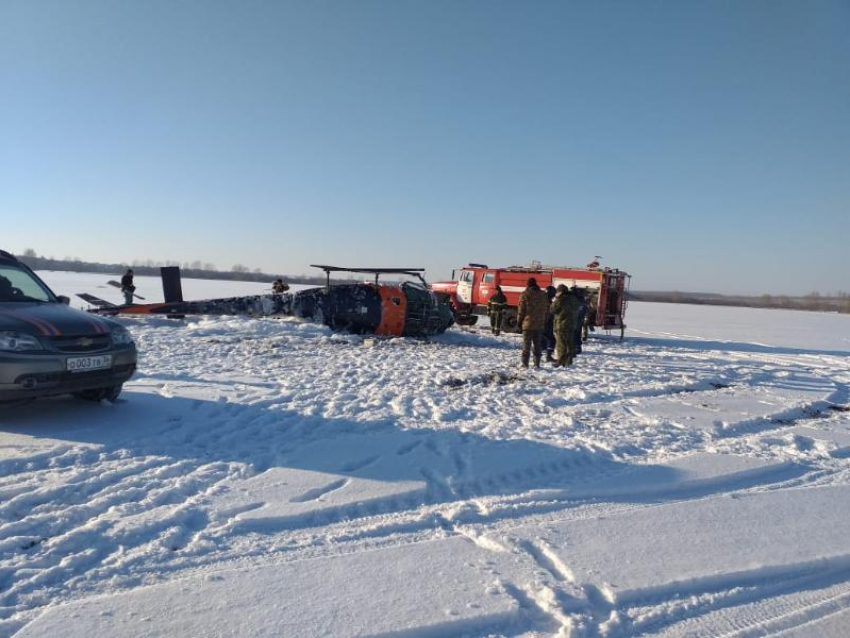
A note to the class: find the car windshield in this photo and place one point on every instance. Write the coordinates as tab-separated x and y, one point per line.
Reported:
16	284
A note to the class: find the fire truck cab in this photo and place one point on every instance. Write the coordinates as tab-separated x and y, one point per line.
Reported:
605	290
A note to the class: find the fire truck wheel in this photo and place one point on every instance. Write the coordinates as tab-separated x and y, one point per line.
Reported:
509	324
466	320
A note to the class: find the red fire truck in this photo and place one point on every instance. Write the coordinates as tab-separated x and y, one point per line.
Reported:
605	289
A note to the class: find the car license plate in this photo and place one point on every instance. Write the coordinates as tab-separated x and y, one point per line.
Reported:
84	364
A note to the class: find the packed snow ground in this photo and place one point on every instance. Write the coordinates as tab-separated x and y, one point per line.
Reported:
267	477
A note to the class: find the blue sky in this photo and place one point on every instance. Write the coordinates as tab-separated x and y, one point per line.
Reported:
698	145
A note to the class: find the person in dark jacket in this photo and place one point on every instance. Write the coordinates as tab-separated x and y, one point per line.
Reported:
579	294
565	309
127	286
590	318
531	318
549	330
278	287
496	309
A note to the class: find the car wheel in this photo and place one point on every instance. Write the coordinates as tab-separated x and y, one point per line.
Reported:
466	320
99	394
91	395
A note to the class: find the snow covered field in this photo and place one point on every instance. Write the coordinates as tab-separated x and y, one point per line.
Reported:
271	478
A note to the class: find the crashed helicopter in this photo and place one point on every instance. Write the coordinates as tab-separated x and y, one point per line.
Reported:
406	309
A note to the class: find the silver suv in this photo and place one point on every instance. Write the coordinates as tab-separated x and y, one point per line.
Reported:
47	348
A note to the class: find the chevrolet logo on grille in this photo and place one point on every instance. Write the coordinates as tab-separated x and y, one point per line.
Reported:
85	342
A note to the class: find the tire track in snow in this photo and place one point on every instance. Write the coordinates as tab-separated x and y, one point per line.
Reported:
55	536
382	386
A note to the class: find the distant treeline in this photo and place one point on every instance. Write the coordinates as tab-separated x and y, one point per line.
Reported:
839	302
193	270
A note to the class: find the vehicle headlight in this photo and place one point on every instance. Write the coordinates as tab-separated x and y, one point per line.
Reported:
121	336
18	342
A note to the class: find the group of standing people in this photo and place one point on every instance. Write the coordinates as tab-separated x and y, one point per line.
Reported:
567	312
550	320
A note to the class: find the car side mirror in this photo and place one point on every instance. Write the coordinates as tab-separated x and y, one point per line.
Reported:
64	300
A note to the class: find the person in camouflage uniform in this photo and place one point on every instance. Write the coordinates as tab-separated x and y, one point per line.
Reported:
565	310
496	309
531	318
